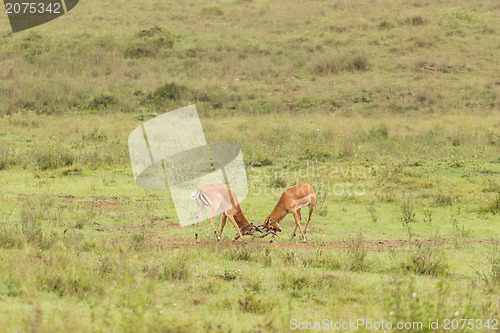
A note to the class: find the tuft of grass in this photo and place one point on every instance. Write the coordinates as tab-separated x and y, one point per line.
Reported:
443	200
494	206
357	252
407	210
102	101
256	303
229	275
176	269
428	215
33	216
373	212
426	260
53	157
334	64
277	181
150	42
381	131
7	158
10	237
212	10
137	241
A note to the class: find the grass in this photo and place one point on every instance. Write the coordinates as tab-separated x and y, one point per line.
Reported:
273	57
389	110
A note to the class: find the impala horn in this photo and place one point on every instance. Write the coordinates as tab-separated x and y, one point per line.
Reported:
259	227
268	233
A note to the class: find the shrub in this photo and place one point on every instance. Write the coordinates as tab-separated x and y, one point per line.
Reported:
6	158
102	101
52	158
426	260
170	91
358	62
151	42
443	200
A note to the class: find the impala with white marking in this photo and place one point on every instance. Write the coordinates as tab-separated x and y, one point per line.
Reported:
220	199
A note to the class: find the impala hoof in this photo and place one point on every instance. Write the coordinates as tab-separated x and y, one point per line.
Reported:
271	241
304	240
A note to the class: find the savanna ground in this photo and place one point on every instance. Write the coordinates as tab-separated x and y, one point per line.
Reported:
390	109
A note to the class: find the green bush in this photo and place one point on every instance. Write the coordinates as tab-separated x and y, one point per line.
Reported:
103	101
169	91
151	42
426	260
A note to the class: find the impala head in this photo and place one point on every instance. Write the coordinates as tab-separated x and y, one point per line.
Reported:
271	224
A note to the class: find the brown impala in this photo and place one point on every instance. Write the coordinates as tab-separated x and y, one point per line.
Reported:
221	199
291	201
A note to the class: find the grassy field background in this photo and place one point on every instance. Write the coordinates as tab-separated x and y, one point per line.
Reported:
390	109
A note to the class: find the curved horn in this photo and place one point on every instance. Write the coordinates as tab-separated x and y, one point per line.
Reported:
260	227
257	228
268	233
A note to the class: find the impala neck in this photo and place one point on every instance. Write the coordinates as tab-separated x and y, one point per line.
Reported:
240	219
278	213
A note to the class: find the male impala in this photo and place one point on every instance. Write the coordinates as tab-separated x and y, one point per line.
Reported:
291	201
221	199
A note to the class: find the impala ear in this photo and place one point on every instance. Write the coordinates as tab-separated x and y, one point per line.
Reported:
269	220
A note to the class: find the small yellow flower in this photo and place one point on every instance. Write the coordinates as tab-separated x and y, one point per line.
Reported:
136	256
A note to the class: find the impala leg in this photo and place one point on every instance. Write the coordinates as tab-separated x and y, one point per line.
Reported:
297	221
231	218
311	209
272	239
300	219
200	208
223	223
209	218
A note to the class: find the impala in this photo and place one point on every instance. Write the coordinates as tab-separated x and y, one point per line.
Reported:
291	201
219	198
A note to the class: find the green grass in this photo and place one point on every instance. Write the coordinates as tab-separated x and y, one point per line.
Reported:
257	56
389	109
